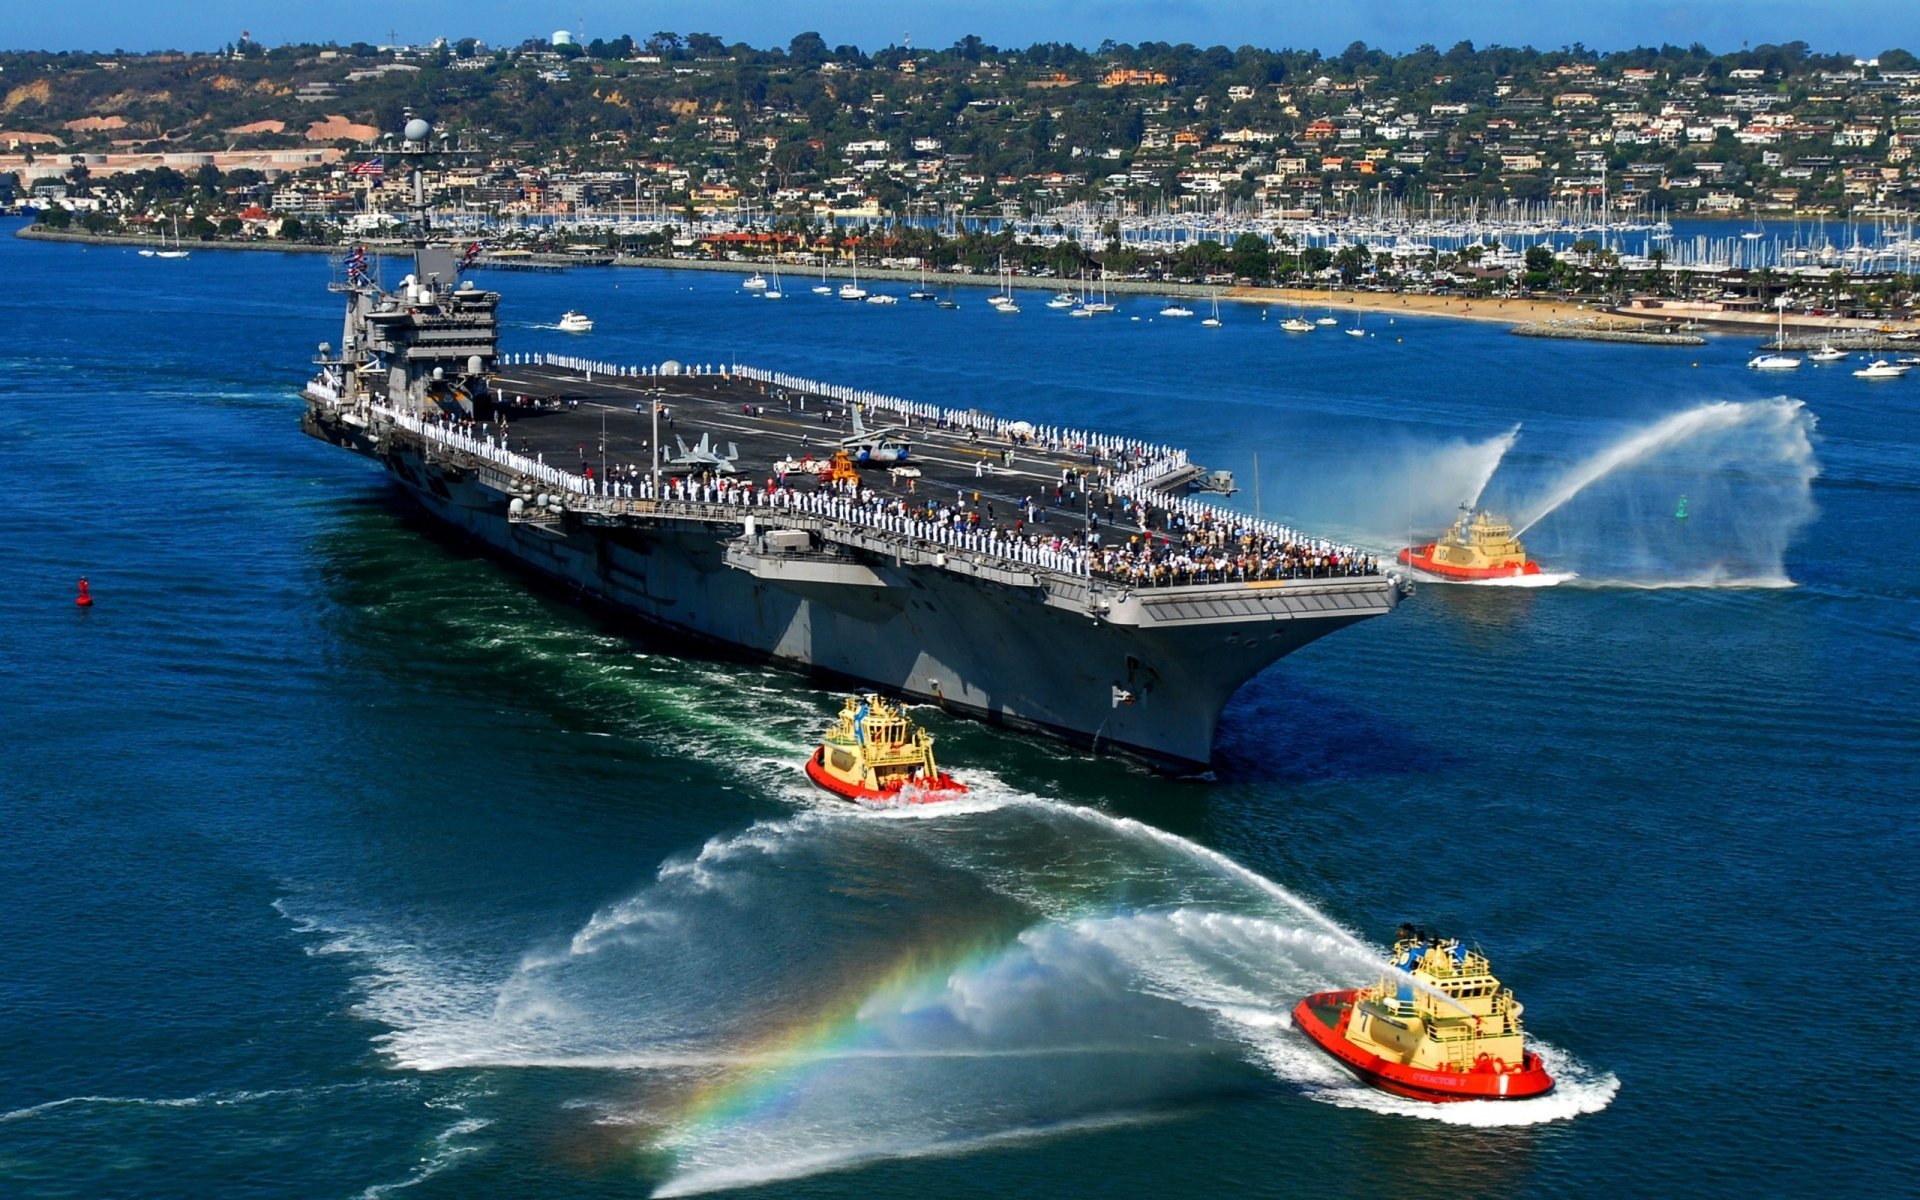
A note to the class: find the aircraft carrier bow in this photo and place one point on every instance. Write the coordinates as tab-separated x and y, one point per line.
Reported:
1054	580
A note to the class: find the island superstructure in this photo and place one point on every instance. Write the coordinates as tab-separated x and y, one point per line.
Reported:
1049	579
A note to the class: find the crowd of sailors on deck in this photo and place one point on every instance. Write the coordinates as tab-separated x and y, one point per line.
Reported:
1159	542
1155	546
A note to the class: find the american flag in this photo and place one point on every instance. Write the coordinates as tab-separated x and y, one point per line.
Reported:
357	266
372	166
471	256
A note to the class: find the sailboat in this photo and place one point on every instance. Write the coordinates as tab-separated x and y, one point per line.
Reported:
825	288
852	289
1100	305
1213	321
1776	361
177	251
1002	300
921	293
773	291
1329	319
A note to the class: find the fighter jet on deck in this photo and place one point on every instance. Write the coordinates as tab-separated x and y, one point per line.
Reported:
877	446
703	456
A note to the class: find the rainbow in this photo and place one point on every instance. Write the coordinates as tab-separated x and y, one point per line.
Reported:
770	1068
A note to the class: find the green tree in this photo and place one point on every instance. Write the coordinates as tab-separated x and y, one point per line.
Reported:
1353	259
1251	257
808	49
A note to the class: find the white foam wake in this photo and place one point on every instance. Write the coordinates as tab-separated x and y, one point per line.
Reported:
1542	580
1182	996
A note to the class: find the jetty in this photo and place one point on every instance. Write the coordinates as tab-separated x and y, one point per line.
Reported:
1603	329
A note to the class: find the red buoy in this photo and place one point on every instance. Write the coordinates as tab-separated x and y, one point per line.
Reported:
84	600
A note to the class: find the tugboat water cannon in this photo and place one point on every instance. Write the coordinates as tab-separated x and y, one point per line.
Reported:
1479	546
1438	1027
873	752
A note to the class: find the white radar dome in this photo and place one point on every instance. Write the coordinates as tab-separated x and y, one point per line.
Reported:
417	130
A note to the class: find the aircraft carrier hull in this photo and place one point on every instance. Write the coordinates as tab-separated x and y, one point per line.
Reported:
1146	675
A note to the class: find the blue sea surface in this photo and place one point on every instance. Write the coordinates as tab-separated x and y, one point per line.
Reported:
342	860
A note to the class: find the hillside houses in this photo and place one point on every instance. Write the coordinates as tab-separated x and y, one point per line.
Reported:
975	128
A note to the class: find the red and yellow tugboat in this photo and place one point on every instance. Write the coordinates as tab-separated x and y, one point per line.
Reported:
1477	547
1443	1030
873	752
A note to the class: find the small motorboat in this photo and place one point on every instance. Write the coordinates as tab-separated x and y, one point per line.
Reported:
575	322
1826	354
1880	368
1437	1027
872	752
1176	310
755	282
1298	325
1478	546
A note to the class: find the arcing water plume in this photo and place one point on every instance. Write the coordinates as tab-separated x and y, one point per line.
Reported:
819	991
1712	496
1695	423
1382	493
1483	457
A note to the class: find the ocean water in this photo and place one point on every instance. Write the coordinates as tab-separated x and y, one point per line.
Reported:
340	861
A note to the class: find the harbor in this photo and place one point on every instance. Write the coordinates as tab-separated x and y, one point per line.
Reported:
501	872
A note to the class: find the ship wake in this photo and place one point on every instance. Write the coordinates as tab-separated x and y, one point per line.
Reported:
841	985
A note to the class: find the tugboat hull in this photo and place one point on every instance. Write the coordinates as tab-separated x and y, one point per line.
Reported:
943	788
1493	1080
1421	558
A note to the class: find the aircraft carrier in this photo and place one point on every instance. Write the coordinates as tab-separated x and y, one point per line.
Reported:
687	495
